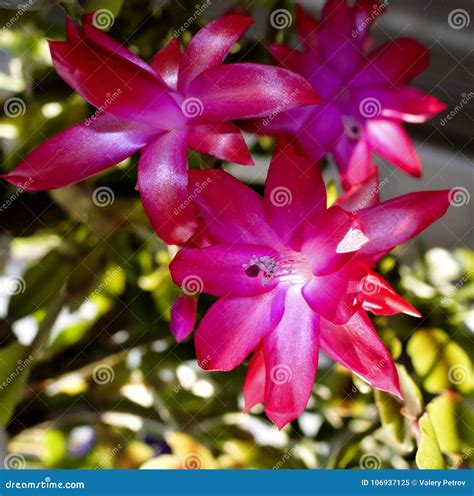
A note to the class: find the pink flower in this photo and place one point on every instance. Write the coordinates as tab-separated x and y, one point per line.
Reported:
293	277
180	100
365	91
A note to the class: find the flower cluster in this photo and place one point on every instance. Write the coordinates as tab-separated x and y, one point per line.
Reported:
292	275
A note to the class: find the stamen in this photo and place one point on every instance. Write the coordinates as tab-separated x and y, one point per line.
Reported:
352	128
291	267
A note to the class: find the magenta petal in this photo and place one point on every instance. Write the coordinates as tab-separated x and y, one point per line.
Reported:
380	298
330	240
335	38
357	346
392	142
233	327
79	152
353	159
113	83
403	104
163	186
183	316
394	63
254	385
210	46
224	141
334	296
219	270
396	221
106	42
224	214
243	91
363	195
294	190
166	63
307	27
291	360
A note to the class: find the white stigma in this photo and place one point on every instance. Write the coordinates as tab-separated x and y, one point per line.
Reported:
289	267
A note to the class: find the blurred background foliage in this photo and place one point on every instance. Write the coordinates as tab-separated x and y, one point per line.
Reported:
90	376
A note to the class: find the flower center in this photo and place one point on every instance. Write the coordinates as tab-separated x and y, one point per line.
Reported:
352	128
286	267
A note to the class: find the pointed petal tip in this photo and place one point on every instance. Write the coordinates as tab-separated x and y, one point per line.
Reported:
280	419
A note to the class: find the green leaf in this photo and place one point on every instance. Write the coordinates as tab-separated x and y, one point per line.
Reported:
444	417
429	454
390	416
42	282
440	361
411	393
14	370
